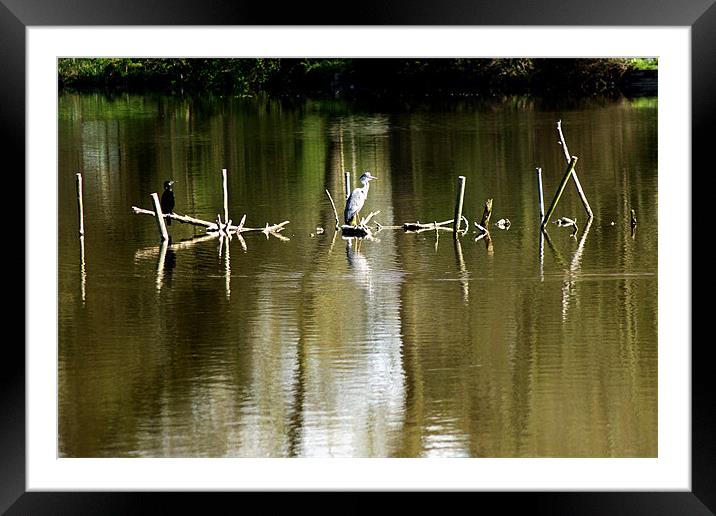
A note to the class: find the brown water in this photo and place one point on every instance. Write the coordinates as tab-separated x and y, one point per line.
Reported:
408	345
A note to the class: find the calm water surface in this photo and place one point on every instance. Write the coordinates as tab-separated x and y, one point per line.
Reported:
409	345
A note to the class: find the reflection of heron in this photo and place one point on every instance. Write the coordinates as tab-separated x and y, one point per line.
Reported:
167	202
359	265
356	260
356	199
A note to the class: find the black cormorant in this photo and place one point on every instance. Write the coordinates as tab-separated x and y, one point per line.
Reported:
167	201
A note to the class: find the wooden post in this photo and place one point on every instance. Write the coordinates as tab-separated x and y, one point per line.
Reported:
560	190
347	183
562	142
580	191
160	217
79	204
540	195
226	195
458	204
486	214
583	197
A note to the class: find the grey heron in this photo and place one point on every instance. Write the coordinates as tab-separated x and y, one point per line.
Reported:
356	199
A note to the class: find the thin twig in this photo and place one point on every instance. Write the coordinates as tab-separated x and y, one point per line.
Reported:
211	226
335	213
365	221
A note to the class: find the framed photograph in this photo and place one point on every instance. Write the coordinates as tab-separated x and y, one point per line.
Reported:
439	250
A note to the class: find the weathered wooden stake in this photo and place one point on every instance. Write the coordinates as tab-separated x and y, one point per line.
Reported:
226	194
560	190
540	194
458	205
347	181
486	214
580	191
79	204
159	217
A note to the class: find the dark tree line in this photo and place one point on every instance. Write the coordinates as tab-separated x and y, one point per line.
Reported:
353	77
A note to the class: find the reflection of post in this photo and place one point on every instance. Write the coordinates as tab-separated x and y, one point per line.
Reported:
227	270
568	287
159	216
557	254
80	207
574	264
464	282
333	241
83	273
541	255
160	264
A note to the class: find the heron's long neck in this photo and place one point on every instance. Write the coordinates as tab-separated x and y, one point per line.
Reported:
366	185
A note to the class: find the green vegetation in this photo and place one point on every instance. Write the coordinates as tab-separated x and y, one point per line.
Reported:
643	63
353	77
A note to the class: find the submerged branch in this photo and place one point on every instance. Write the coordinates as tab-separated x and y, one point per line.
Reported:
186	219
216	226
366	220
418	226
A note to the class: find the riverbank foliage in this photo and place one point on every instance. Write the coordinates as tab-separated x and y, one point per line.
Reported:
352	77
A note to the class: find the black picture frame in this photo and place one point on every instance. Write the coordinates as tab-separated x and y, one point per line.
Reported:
17	15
